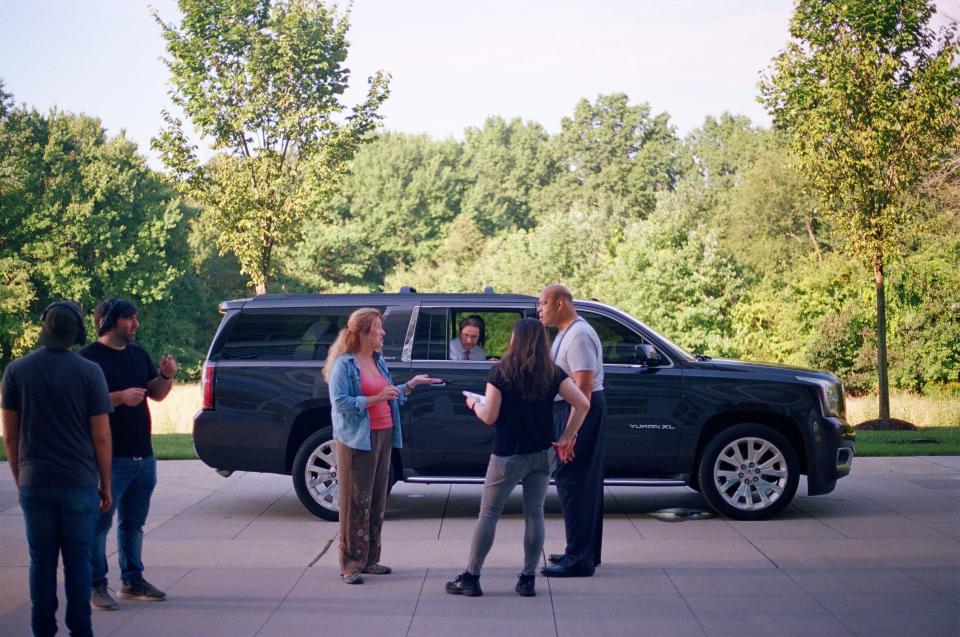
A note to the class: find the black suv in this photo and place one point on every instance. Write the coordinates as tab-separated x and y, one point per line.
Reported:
740	433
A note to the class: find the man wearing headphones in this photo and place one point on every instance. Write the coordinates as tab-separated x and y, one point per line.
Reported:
468	346
131	378
57	437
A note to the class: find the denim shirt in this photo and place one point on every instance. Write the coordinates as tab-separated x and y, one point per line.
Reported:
348	407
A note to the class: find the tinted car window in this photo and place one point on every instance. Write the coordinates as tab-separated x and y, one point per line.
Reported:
619	341
291	335
430	340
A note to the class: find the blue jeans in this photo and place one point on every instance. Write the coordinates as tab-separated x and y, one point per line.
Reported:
60	520
133	480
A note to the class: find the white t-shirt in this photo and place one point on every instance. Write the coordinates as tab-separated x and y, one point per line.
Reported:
578	349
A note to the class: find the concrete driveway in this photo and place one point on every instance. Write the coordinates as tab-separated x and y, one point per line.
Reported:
879	556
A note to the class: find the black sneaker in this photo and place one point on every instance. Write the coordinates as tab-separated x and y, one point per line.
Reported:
143	591
101	599
525	586
465	584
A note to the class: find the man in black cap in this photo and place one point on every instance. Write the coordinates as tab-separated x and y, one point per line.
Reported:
57	437
131	378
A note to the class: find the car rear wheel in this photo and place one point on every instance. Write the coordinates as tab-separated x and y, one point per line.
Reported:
315	476
749	472
316	479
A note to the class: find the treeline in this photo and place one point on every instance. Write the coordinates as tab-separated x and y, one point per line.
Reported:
714	238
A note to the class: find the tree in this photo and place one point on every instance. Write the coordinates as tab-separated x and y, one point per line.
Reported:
723	147
618	156
869	95
262	80
392	209
81	217
508	165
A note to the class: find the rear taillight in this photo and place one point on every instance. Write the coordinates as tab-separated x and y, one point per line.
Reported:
209	378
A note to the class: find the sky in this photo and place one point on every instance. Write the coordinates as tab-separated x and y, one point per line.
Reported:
453	62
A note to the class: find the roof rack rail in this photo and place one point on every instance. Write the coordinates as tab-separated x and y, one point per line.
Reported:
408	289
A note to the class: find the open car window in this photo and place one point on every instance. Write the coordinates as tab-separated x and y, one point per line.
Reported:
436	327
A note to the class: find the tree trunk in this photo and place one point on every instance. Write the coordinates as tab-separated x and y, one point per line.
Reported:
882	387
808	222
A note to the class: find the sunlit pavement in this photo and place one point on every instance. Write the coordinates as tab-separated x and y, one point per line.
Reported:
879	556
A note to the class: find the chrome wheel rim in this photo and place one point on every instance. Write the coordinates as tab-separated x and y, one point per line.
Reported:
750	474
320	476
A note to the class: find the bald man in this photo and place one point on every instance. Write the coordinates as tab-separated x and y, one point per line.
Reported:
577	351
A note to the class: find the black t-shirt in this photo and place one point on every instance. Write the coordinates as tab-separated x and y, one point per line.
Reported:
56	393
126	368
523	426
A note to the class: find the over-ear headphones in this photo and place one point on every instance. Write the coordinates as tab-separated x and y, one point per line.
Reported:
107	319
73	307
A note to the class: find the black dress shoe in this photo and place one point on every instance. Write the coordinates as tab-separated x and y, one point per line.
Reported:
556	558
575	569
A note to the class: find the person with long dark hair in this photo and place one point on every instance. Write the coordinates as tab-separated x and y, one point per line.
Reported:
518	402
366	424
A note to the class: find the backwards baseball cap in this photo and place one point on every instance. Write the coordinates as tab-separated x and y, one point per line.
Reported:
109	311
62	325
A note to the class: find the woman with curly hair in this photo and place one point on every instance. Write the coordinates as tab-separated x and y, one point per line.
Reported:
366	425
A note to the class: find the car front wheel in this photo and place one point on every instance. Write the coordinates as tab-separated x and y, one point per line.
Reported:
749	472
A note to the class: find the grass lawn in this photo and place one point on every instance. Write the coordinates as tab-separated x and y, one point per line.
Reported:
165	446
938	419
928	441
945	442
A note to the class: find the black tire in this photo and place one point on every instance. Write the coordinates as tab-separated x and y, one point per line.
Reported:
320	496
749	472
318	485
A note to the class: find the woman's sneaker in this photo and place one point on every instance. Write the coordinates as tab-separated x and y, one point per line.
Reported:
525	586
465	584
353	577
101	599
143	591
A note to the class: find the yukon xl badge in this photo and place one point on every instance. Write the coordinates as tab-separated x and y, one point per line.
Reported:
662	427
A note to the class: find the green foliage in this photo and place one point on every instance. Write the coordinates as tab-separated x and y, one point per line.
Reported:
82	218
403	192
263	81
508	166
870	98
672	272
724	147
619	156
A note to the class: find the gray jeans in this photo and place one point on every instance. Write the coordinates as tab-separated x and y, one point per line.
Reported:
532	470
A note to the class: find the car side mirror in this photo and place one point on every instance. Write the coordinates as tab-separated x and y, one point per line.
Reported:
646	354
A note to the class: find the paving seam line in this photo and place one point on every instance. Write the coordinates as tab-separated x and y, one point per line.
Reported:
820	604
685	602
303	572
416	604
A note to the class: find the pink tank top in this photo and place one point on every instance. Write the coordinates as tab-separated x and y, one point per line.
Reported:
381	416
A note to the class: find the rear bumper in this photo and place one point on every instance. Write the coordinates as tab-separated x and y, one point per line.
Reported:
831	458
244	442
